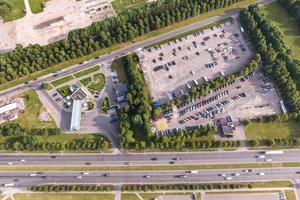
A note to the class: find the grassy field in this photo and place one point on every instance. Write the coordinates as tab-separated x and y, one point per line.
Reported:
146	168
98	82
64	196
287	25
36	5
64	91
33	106
290	195
17	10
62	80
122	5
105	105
87	71
272	130
129	196
86	81
122	45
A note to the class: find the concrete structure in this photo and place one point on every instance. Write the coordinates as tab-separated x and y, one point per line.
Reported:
226	126
8	107
78	97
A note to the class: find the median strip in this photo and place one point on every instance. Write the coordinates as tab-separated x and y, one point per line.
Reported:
147	168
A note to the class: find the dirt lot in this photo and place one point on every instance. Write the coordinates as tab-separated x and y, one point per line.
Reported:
54	23
245	98
170	67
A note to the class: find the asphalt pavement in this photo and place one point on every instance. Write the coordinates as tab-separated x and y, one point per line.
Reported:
22	179
185	158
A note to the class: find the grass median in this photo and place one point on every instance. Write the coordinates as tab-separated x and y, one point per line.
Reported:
148	168
69	63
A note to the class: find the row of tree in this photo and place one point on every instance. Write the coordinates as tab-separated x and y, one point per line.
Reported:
185	186
18	138
122	28
276	55
71	188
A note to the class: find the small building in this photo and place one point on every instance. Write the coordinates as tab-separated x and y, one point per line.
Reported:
226	126
78	97
8	107
121	91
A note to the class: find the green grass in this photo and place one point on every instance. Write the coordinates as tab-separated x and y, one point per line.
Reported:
286	24
86	81
64	196
33	106
64	91
98	82
62	80
122	5
272	130
75	61
129	196
87	71
146	168
17	11
36	5
105	105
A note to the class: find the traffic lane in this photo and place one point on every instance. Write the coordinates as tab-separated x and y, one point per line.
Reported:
159	177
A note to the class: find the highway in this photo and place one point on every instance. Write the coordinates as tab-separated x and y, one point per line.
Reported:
186	158
110	56
22	179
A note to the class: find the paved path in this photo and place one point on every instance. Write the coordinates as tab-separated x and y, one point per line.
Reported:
28	9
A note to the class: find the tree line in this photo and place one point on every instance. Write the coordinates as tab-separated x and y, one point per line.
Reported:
5	8
276	56
71	188
18	138
125	27
293	7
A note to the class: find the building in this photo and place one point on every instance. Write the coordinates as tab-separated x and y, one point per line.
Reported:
78	97
226	126
8	107
10	110
121	90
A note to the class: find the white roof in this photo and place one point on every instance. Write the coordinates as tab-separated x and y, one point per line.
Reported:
8	107
76	115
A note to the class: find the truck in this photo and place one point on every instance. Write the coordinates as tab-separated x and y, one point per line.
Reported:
9	184
273	152
194	172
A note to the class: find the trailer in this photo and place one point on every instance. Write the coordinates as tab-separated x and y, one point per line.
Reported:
273	152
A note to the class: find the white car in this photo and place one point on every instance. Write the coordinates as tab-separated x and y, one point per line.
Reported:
32	174
228	178
85	173
268	160
236	174
9	163
223	174
260	156
261	173
22	160
147	176
78	177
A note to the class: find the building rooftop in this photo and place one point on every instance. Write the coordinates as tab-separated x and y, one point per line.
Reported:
79	94
8	107
76	115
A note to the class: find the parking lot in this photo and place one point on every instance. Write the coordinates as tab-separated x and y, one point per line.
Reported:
248	196
172	68
244	98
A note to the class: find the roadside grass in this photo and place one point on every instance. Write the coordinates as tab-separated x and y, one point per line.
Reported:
148	168
122	5
118	65
290	194
17	11
87	71
287	25
64	91
36	5
105	106
68	196
69	63
98	82
86	81
151	196
129	196
62	80
272	130
30	117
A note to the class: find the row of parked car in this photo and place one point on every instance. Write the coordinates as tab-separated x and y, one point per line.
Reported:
188	128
